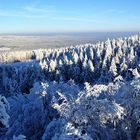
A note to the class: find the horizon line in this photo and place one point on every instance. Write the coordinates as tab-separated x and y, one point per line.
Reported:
66	32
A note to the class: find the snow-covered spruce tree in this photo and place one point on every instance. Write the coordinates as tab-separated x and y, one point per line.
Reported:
34	112
20	77
112	69
89	118
99	112
29	115
4	117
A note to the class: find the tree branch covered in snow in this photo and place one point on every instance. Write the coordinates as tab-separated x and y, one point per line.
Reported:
86	92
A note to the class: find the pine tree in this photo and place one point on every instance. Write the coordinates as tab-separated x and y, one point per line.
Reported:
113	68
90	65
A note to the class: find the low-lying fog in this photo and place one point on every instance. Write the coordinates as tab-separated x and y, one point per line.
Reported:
54	40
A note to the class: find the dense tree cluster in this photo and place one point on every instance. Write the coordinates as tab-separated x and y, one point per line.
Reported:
66	111
102	62
85	92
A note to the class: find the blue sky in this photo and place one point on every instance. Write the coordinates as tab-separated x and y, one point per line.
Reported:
22	16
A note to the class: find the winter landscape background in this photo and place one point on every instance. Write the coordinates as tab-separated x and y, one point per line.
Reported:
87	91
69	69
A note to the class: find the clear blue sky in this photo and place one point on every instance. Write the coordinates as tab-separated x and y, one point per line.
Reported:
69	15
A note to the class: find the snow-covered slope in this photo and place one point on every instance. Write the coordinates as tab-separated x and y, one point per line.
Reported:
87	92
